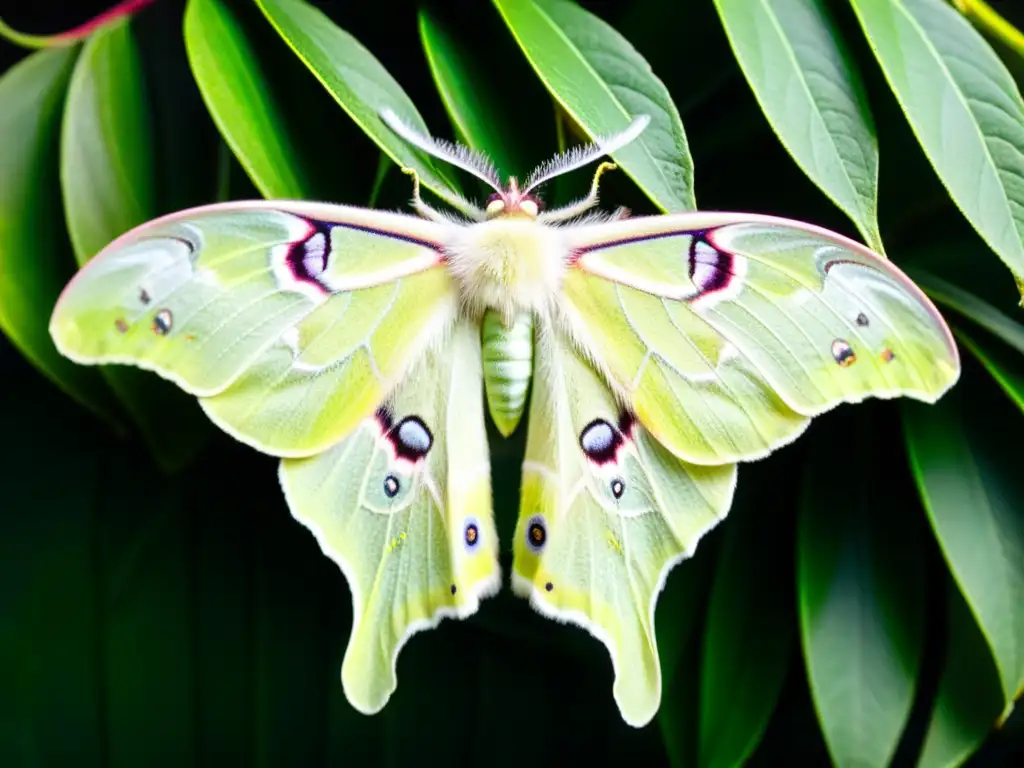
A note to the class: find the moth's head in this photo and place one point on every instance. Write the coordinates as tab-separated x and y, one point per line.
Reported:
513	203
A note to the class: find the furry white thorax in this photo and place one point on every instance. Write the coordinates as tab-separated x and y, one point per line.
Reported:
509	264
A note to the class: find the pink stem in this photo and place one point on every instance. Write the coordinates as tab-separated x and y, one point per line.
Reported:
124	8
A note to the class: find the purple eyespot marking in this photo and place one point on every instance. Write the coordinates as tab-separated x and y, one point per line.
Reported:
307	259
711	269
600	440
410	437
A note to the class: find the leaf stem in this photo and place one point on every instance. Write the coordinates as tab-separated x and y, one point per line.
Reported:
981	14
72	36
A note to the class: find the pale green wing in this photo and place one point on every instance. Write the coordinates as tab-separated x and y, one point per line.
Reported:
727	332
289	320
403	506
605	513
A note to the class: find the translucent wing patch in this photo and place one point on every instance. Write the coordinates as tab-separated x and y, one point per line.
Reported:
726	332
403	506
605	513
269	310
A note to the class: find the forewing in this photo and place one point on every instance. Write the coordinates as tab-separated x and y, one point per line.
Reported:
726	332
403	506
291	320
605	513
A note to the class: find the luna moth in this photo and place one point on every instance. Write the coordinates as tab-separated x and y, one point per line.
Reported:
655	353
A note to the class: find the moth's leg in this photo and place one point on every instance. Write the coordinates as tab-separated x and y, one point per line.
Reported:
464	207
580	206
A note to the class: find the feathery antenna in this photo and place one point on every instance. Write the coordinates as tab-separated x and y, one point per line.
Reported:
585	154
465	158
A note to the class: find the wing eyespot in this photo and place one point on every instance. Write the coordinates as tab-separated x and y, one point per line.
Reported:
163	321
536	534
471	535
843	353
410	438
600	441
391	486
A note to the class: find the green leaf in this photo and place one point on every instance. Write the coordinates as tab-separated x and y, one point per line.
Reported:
479	118
35	257
603	83
237	95
965	455
107	179
1005	366
748	637
680	613
106	151
970	306
861	592
810	90
358	82
964	108
969	698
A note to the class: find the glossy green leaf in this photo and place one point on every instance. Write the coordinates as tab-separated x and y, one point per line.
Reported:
964	108
106	150
861	583
479	116
810	90
108	184
226	70
35	258
969	698
748	638
680	614
1004	365
598	77
971	306
358	82
966	459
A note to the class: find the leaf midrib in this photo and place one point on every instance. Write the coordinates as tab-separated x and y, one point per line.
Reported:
791	55
603	85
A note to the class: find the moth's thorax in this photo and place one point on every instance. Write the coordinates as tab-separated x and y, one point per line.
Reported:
508	263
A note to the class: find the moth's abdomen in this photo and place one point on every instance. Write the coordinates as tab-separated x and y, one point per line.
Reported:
508	367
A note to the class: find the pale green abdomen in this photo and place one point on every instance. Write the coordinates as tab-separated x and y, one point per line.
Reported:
508	366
